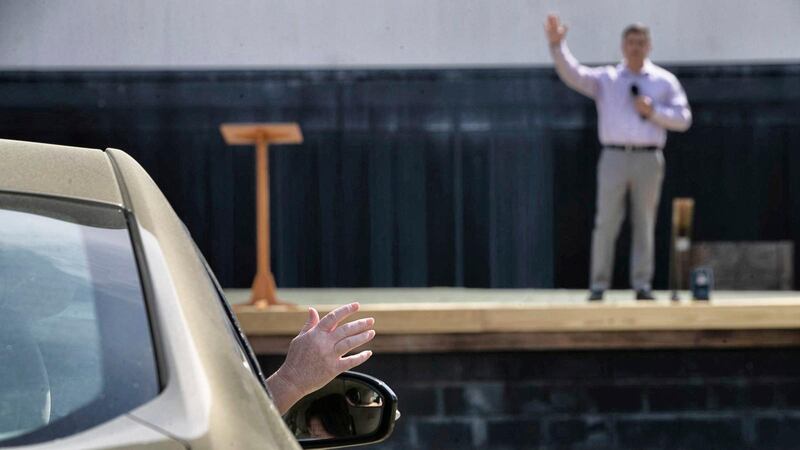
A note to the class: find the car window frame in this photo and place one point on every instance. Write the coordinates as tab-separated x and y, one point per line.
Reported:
149	293
233	324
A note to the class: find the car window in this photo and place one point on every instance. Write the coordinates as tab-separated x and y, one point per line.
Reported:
75	343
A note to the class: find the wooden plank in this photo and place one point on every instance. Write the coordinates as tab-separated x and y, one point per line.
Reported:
644	317
390	319
447	318
543	341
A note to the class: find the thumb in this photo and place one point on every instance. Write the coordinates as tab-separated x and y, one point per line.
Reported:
312	321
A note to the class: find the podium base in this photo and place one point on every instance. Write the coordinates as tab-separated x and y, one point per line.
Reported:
263	294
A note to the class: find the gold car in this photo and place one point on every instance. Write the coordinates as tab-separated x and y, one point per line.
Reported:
114	332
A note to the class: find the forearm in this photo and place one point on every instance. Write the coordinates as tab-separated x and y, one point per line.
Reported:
571	72
673	118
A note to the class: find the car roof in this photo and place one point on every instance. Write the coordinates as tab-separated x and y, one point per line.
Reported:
59	171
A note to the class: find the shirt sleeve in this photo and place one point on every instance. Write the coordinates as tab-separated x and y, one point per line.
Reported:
575	75
674	114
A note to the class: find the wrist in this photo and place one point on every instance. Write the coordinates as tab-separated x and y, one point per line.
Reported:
284	392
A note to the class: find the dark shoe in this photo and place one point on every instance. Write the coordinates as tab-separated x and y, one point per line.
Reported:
596	295
644	294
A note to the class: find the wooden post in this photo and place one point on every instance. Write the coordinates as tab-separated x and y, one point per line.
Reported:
681	242
262	134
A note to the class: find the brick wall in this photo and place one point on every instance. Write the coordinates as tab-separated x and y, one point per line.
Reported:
700	399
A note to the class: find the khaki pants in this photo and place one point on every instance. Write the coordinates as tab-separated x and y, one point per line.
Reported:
620	172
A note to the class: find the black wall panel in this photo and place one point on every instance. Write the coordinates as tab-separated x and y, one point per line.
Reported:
457	177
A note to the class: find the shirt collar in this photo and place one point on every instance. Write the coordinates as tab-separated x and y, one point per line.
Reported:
647	68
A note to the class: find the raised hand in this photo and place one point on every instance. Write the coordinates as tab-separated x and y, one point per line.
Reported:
554	29
317	354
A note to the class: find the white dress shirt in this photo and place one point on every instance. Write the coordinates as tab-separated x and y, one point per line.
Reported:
610	87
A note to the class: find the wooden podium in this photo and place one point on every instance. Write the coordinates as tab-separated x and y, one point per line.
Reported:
261	135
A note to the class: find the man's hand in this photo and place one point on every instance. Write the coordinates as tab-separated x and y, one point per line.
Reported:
555	30
316	355
644	105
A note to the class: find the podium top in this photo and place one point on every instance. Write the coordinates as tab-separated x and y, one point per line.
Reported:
250	133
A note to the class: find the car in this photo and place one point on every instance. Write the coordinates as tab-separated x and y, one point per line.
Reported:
114	332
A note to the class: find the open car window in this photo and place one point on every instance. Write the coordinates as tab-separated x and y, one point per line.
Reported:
76	347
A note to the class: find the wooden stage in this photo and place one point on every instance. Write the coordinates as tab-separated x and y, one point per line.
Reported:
467	320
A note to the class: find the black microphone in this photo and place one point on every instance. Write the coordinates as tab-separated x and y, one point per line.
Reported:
634	94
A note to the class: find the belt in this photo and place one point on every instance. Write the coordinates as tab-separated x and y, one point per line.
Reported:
633	148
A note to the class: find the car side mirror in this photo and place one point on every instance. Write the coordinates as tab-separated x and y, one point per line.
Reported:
353	409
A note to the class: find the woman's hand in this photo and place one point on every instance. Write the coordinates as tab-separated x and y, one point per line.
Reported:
317	354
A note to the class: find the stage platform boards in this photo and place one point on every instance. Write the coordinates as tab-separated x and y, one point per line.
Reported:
466	320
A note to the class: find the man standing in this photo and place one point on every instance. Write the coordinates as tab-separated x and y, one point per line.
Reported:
637	102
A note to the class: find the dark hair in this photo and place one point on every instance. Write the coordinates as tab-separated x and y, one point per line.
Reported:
636	28
334	414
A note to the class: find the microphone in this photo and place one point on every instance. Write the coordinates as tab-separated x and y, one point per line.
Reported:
634	94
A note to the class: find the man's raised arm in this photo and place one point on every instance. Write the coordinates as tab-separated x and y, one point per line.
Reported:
580	78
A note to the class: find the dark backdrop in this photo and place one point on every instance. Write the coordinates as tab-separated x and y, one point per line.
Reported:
454	177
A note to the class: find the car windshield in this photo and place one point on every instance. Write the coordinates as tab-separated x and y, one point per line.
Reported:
75	343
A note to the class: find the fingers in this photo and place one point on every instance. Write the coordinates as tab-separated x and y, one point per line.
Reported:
354	360
551	23
555	29
329	322
348	344
313	319
355	327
